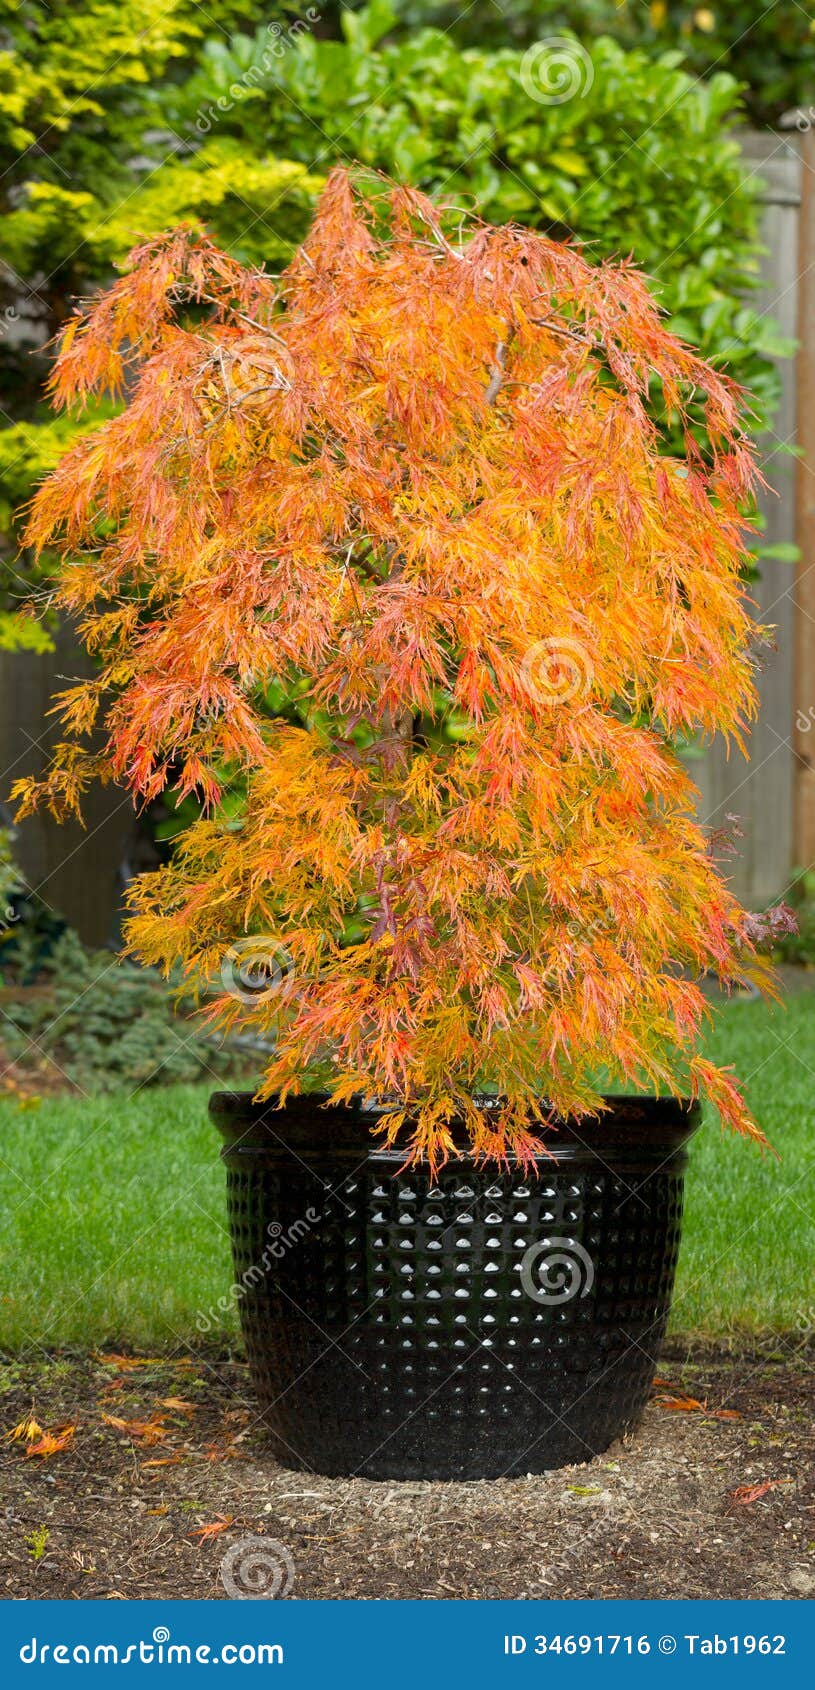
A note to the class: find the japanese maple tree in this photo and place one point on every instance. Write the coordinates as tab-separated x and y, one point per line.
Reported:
389	550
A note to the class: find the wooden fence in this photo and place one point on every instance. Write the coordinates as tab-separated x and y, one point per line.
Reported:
79	873
76	870
761	792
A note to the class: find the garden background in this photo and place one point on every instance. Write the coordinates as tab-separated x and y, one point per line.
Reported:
680	135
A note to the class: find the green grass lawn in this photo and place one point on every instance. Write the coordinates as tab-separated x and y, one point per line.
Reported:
113	1226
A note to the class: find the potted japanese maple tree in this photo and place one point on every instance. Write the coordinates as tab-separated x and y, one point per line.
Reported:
390	553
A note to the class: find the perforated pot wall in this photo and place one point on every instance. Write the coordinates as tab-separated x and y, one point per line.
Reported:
491	1324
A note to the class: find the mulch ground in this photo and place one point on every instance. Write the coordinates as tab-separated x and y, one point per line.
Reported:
165	1474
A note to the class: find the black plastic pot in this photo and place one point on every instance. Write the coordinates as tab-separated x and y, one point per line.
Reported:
493	1324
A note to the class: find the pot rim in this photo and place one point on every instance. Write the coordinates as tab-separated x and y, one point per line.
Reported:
635	1127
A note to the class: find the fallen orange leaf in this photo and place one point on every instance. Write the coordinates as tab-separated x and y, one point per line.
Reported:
682	1405
163	1461
678	1403
28	1429
147	1431
51	1442
743	1495
220	1524
125	1364
180	1403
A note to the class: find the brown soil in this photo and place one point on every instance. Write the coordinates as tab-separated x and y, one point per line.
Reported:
115	1513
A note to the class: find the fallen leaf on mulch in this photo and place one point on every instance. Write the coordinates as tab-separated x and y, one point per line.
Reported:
679	1403
146	1431
743	1495
215	1527
125	1364
52	1442
29	1429
180	1403
676	1475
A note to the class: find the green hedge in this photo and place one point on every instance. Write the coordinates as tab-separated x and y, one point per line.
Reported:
639	160
239	131
771	49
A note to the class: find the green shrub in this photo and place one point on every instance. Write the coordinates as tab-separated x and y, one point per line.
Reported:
106	1024
769	48
76	105
238	133
639	161
9	881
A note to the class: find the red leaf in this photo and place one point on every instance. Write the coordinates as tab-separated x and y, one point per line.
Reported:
220	1524
743	1495
52	1442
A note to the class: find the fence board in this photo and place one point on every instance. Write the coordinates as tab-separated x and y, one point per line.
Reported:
760	791
74	869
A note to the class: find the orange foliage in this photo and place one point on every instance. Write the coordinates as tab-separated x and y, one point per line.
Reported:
28	1429
147	1431
52	1443
221	1523
415	475
743	1495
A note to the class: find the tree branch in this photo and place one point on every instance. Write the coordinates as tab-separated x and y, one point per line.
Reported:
499	368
